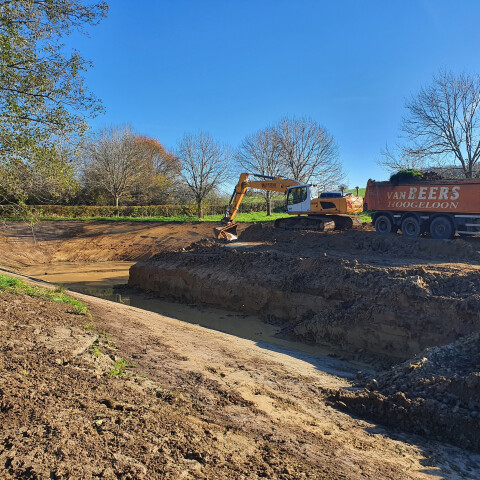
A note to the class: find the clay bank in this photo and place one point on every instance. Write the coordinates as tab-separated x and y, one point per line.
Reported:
375	296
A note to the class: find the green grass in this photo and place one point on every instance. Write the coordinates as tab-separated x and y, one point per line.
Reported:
241	217
361	191
119	367
365	217
14	285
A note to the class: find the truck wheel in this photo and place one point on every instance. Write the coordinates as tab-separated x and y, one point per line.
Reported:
383	225
411	227
441	228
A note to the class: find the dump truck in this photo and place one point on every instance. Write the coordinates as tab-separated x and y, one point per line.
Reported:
441	208
309	210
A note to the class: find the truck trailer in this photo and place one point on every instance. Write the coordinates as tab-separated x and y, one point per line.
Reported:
441	208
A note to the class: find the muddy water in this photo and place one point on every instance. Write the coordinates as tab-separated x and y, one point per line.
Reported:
108	280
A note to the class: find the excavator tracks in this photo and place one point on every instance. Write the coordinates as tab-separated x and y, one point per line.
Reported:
320	223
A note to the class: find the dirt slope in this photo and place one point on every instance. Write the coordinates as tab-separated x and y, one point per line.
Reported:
212	407
53	242
437	393
370	302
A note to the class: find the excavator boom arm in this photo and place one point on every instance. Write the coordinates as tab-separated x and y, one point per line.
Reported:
272	184
262	182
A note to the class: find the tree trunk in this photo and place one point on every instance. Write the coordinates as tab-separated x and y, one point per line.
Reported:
116	205
470	170
199	209
268	199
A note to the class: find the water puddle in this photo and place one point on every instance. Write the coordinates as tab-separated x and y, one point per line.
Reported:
108	280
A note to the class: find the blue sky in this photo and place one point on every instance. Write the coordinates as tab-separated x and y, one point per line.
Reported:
231	67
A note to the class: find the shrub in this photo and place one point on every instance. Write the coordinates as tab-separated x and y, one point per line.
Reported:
406	176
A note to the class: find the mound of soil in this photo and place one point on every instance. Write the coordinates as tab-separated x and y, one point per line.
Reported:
365	242
436	394
394	311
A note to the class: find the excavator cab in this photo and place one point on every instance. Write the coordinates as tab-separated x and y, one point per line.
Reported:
298	199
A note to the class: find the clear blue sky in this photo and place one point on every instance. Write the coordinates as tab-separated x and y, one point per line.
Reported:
231	67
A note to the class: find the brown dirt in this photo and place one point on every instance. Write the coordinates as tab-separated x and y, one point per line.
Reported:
202	404
366	245
366	300
93	241
198	405
437	394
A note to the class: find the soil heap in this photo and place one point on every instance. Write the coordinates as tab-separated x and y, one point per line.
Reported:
436	394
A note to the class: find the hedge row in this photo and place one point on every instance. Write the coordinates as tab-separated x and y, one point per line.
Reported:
79	211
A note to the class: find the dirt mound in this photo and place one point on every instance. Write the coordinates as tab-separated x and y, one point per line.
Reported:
365	243
437	393
260	232
394	311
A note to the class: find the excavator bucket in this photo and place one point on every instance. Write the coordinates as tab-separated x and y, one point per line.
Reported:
226	232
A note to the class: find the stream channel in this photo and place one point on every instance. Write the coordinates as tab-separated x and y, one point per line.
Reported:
108	280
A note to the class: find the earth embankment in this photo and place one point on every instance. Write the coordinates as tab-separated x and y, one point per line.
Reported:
436	394
352	289
54	242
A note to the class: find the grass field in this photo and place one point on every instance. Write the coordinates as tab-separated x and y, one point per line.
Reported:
241	217
361	192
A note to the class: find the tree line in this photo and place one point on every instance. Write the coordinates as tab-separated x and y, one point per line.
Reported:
48	154
116	164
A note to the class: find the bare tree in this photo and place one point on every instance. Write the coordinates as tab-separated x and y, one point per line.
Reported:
443	121
205	165
401	158
114	161
259	153
308	151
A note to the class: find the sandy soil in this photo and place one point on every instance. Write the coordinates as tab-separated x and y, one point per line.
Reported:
199	404
55	242
203	404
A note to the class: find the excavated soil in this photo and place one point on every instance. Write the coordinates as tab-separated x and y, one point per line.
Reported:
196	404
355	290
366	245
437	394
202	404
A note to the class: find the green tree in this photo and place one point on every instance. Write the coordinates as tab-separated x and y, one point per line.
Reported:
43	96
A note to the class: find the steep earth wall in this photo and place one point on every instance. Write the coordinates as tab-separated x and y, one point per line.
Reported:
394	311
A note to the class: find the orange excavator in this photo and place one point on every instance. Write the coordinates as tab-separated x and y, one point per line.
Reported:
309	210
